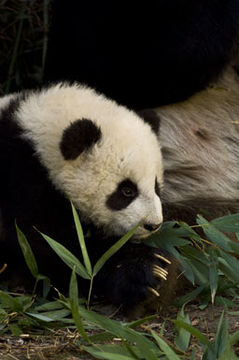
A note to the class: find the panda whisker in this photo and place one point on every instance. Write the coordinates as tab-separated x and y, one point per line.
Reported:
153	291
162	258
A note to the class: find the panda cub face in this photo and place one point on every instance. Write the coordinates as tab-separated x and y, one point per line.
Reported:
102	156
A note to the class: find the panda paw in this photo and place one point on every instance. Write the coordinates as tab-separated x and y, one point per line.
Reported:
133	275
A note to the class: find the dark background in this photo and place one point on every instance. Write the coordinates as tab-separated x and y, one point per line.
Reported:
141	54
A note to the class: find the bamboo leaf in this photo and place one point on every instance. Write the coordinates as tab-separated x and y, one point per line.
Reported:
221	338
213	277
81	241
10	302
171	355
113	249
182	340
66	256
74	303
216	236
193	331
146	347
108	353
27	253
228	223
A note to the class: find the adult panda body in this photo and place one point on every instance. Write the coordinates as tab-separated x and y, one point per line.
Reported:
142	55
200	145
68	142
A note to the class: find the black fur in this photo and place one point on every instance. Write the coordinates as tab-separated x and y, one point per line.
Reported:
128	276
142	55
125	193
81	135
152	118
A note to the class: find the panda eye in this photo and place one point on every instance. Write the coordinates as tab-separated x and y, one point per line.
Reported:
128	192
124	194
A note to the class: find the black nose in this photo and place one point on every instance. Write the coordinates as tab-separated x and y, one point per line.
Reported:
152	227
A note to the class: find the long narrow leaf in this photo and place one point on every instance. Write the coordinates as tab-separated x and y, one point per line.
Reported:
112	250
213	276
183	336
66	256
195	332
171	355
10	302
74	302
27	253
81	241
100	353
216	236
146	347
221	341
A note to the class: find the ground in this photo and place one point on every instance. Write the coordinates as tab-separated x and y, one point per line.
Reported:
62	344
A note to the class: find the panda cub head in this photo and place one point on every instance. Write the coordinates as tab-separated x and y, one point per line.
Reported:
102	156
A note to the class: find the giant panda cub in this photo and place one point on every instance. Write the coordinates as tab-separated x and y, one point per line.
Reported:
68	142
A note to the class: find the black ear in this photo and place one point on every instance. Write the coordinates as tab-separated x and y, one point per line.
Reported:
79	136
152	118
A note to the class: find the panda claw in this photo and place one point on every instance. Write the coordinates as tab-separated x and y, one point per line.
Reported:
160	269
153	291
160	272
162	258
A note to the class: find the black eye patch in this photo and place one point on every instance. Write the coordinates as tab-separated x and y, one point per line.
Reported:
125	193
156	188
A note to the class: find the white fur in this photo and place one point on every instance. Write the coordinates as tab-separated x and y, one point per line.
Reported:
128	149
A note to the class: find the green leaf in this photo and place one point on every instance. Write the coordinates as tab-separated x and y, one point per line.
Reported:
40	317
146	347
101	337
234	338
222	301
216	236
228	223
193	331
15	329
229	265
66	256
190	296
74	303
108	352
113	351
82	241
139	322
171	355
221	338
49	306
200	272
10	302
113	249
27	253
213	277
56	315
3	315
183	336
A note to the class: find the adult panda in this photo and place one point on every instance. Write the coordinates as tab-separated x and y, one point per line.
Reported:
145	54
68	142
200	145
